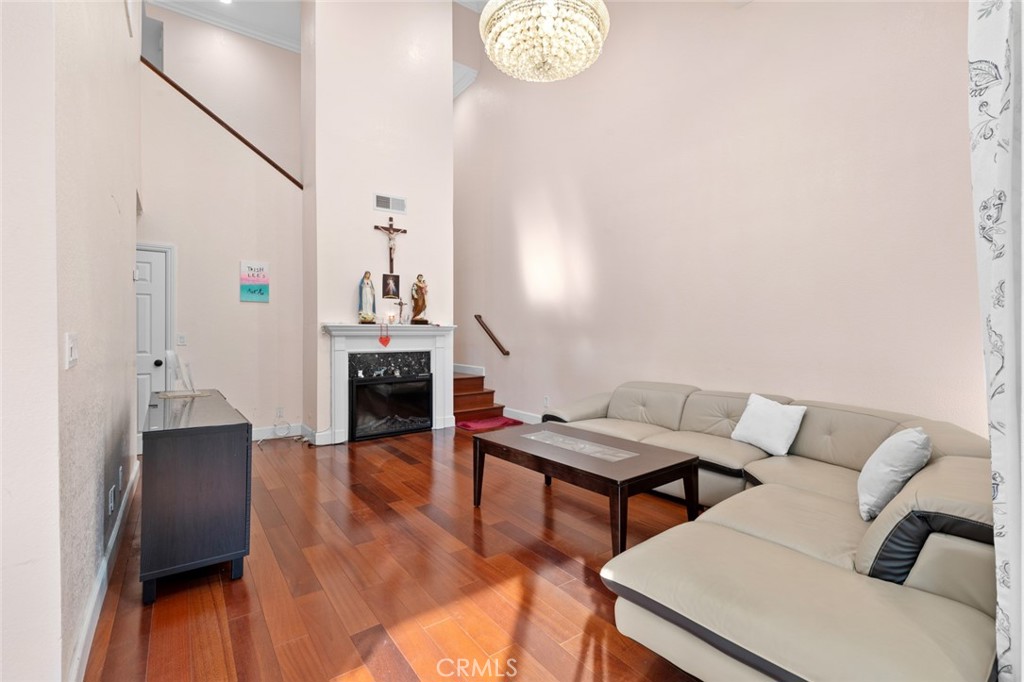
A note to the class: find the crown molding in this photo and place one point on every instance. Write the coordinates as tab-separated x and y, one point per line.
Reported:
198	11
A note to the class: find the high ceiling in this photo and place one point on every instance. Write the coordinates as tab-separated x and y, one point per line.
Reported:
273	21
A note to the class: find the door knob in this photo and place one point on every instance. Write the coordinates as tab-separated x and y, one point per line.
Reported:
158	363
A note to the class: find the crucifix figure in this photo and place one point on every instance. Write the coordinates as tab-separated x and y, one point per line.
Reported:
401	309
391	231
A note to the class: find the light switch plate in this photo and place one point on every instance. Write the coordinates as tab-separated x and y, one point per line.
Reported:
182	340
70	350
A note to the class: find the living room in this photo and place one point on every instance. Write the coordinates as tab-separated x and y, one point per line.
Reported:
769	197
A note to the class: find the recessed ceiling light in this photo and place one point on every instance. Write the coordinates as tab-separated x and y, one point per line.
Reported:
226	2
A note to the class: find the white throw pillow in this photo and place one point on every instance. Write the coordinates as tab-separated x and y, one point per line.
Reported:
769	425
899	457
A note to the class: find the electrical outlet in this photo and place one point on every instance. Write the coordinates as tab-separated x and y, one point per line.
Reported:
120	478
182	340
280	413
110	499
547	401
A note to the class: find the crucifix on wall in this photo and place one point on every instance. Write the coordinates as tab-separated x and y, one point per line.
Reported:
391	231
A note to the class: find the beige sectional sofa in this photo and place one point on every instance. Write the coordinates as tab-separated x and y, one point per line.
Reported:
781	578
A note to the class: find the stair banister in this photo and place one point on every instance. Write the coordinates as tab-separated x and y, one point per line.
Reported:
480	319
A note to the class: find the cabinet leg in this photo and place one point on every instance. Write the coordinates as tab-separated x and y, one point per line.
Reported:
148	591
547	480
236	568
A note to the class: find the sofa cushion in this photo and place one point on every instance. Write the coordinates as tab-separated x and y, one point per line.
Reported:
819	526
620	428
806	474
952	495
650	402
769	425
793	617
729	456
843	434
899	457
717	412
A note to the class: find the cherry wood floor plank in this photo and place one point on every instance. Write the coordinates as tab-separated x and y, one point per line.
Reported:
382	656
299	662
209	637
401	622
302	531
297	572
170	656
368	563
264	506
459	646
328	634
356	532
255	657
282	618
344	596
240	596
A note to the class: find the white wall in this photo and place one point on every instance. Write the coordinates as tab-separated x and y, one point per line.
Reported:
252	85
30	644
97	127
773	197
218	204
395	60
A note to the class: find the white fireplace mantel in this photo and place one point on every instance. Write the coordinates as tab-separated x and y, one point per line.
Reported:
405	338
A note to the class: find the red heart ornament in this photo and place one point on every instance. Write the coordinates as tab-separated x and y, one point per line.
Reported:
385	341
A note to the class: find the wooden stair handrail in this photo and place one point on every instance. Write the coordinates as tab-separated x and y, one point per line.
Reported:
219	120
480	319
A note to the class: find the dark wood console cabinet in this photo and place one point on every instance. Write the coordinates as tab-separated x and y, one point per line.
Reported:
196	486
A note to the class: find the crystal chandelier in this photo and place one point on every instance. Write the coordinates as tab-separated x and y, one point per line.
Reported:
543	40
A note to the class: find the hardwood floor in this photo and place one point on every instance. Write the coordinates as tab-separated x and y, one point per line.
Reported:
368	562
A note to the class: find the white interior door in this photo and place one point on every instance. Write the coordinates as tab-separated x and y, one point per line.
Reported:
150	329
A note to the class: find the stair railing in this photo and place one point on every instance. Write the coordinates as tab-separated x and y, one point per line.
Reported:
206	110
480	319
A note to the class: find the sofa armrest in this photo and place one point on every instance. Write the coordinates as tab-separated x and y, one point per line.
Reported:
952	495
592	407
958	569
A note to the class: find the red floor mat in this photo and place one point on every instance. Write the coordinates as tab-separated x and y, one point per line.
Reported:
487	424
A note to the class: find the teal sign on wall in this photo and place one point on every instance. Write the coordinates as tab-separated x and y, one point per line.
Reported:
258	293
255	282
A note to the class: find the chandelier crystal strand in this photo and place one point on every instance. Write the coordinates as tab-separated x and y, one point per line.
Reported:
544	40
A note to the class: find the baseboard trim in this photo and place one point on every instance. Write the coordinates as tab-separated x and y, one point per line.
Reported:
270	432
79	658
527	417
469	369
316	437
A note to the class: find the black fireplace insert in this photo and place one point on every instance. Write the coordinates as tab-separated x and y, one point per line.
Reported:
388	406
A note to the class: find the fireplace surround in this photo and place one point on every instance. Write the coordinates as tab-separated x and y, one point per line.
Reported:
350	339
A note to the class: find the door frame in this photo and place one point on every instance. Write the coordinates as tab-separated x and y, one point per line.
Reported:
169	251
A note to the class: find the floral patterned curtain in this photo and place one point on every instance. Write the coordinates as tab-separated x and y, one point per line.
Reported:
994	44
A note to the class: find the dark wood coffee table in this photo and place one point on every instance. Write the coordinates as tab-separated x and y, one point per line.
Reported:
641	468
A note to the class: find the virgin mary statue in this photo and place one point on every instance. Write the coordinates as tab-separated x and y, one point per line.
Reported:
367	300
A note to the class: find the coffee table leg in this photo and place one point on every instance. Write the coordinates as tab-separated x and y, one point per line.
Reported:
478	472
691	492
618	504
547	480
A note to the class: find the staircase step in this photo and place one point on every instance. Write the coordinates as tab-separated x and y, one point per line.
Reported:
465	383
470	399
479	413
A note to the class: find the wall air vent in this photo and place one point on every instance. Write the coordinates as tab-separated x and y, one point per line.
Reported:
386	203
